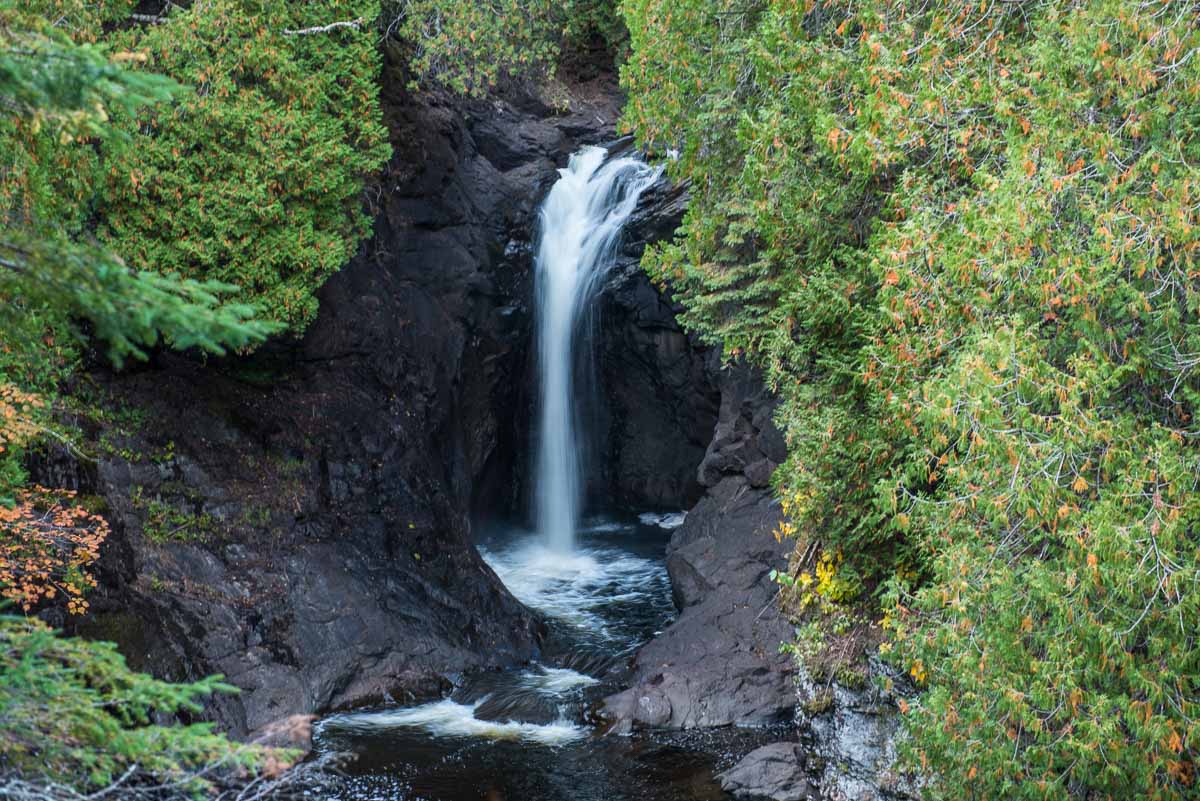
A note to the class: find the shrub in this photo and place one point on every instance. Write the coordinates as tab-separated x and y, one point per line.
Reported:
72	713
962	242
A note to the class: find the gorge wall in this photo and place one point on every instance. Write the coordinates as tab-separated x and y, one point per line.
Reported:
661	395
719	663
300	520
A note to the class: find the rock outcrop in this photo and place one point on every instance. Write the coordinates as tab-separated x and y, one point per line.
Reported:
846	749
849	736
660	399
719	662
774	772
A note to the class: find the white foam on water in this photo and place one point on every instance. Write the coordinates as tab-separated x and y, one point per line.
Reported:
605	527
574	586
668	521
577	587
556	681
449	718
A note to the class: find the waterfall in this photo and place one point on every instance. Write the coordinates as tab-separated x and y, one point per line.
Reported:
580	223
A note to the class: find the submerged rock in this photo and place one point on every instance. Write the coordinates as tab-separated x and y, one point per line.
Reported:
774	772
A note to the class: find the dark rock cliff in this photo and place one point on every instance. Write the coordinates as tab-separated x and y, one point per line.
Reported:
301	520
660	394
847	745
719	662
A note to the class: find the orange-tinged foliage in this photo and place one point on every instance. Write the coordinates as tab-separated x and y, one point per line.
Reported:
980	224
16	423
47	546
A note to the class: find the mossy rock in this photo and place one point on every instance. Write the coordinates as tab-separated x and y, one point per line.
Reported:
95	504
852	678
819	704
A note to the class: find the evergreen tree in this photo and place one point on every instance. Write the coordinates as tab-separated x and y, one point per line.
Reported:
962	241
72	714
73	718
471	47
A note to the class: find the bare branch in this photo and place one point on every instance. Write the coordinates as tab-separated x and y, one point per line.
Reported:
317	776
353	23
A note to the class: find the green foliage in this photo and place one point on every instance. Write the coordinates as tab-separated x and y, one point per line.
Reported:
73	713
60	98
589	21
962	242
262	167
164	521
251	179
72	716
129	311
71	88
470	46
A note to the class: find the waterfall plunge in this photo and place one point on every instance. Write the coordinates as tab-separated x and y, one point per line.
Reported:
581	220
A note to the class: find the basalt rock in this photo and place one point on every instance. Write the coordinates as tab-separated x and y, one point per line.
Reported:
299	521
719	662
660	397
849	736
775	772
846	750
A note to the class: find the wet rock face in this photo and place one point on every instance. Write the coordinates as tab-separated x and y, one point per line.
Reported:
846	750
299	521
719	662
660	399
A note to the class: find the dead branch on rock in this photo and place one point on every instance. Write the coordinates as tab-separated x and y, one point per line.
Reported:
353	23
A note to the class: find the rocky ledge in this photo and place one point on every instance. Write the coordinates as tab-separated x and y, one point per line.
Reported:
846	750
719	663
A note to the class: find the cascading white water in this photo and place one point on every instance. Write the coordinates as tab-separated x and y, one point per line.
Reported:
581	220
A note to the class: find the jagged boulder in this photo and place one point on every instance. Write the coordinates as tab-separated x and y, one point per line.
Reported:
774	772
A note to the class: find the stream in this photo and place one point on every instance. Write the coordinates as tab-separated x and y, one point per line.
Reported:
600	584
524	735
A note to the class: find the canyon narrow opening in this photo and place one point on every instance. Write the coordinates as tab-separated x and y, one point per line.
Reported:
598	579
